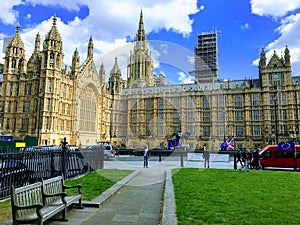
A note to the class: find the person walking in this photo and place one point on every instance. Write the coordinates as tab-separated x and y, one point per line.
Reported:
245	161
239	158
256	160
206	156
146	156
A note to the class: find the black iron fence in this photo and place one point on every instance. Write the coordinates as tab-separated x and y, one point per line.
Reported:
31	165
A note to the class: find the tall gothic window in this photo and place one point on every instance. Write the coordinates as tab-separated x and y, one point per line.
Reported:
28	89
88	103
26	106
25	124
238	101
255	99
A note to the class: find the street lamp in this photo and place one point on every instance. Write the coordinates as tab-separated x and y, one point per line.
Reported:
40	94
110	124
266	136
293	136
275	115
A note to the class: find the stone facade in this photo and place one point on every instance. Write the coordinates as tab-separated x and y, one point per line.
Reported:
45	98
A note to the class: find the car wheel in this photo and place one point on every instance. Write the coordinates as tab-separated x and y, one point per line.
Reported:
106	157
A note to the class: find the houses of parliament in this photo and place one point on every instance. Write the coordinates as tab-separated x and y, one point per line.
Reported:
46	99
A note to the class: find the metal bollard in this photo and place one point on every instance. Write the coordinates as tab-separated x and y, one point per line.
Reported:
181	159
234	162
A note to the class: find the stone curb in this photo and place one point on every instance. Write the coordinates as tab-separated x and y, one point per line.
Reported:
169	208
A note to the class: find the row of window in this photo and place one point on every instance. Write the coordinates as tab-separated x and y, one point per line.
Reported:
206	116
238	131
64	125
66	92
65	108
238	101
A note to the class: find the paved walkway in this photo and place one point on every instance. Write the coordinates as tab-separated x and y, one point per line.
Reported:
138	199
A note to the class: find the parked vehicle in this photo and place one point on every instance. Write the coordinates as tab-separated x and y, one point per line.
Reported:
108	150
270	156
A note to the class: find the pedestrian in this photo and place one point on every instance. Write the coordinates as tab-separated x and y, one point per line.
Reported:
239	158
245	161
255	163
249	158
146	156
206	156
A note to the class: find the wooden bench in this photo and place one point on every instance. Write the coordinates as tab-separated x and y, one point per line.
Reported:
30	205
56	185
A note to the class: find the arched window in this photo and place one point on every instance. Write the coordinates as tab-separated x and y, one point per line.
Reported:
57	60
13	63
88	103
51	58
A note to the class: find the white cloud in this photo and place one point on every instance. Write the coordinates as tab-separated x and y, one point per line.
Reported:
274	9
289	26
108	22
8	15
185	78
246	26
28	16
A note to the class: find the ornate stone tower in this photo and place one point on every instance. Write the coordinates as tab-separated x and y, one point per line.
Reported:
115	82
14	108
276	91
277	72
140	63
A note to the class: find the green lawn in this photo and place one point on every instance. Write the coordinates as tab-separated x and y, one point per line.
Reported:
93	184
214	196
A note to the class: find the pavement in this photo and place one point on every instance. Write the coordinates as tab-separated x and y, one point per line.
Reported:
146	196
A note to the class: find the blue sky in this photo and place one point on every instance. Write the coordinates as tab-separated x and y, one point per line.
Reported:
172	26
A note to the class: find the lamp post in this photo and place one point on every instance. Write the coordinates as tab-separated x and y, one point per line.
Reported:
293	136
40	94
110	124
266	136
275	115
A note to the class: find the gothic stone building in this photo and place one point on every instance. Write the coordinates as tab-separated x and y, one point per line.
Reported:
45	98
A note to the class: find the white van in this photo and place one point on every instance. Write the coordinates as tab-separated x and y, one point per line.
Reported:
109	152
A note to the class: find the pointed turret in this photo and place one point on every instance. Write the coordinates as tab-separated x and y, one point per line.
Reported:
263	59
75	62
16	41
287	56
102	74
52	48
90	48
15	54
34	61
115	70
115	79
37	45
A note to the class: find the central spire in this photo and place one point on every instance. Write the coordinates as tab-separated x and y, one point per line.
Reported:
140	62
140	36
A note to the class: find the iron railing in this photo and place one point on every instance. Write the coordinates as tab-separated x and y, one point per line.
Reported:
29	166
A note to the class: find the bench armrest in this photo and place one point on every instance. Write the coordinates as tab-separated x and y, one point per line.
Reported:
37	206
60	194
78	186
